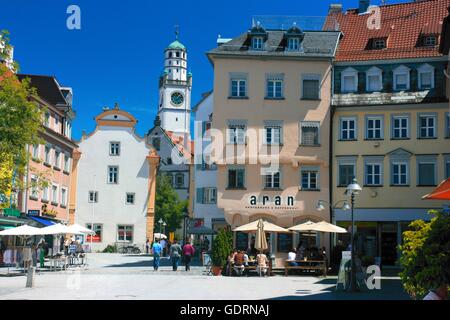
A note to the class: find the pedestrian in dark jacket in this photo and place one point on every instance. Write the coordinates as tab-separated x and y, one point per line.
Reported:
188	253
175	254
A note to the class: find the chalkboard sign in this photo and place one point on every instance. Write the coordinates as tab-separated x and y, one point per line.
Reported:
241	241
284	242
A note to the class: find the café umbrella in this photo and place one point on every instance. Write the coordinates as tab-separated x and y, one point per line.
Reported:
253	226
59	229
76	229
324	226
22	231
160	236
261	240
442	192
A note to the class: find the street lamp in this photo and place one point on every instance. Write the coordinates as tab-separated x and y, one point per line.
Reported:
160	221
353	189
321	206
186	216
164	227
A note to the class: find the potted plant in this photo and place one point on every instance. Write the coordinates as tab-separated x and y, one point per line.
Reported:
222	246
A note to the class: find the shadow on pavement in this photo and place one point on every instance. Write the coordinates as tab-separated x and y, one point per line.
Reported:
391	289
164	262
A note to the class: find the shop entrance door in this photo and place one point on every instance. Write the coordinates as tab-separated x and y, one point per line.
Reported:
388	248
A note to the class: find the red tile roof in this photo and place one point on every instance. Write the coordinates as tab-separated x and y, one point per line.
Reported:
188	150
402	24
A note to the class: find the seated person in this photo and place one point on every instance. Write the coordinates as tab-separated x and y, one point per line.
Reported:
239	263
262	264
291	258
245	259
300	251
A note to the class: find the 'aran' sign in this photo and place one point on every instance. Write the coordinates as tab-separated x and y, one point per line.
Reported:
277	201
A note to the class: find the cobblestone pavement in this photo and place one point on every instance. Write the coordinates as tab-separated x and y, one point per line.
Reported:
115	276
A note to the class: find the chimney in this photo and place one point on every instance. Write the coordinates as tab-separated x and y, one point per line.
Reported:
335	8
363	5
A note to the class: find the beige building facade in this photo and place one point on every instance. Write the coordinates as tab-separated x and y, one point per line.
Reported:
270	129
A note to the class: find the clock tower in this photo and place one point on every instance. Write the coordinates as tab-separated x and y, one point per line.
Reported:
175	86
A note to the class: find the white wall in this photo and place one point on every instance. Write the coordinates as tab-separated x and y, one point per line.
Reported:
111	209
205	178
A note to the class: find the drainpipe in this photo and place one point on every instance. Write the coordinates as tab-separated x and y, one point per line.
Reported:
330	163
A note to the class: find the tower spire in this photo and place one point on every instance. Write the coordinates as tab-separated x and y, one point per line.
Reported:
177	31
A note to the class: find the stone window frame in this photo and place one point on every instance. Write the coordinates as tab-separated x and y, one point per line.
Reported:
426	68
349	72
368	117
374	160
374	71
426	159
310	168
401	70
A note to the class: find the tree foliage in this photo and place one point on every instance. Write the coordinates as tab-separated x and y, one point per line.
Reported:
425	258
168	205
20	124
222	246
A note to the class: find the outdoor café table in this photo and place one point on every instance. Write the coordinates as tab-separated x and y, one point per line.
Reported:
307	265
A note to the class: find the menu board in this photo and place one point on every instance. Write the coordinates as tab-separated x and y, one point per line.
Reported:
241	241
284	242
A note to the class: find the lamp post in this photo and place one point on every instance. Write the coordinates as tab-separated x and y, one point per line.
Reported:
164	227
160	221
186	217
353	189
321	206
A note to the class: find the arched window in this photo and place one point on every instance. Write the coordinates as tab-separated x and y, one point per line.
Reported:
425	74
349	80
374	79
401	78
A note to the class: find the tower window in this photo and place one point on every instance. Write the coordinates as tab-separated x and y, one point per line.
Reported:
178	54
170	54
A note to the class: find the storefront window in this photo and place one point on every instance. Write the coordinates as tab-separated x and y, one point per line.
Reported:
285	242
97	237
241	241
125	233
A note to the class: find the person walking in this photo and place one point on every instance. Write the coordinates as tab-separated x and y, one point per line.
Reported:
147	246
188	253
156	254
175	254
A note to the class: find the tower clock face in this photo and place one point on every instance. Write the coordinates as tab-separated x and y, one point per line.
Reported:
177	98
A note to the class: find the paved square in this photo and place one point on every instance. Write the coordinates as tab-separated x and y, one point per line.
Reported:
116	276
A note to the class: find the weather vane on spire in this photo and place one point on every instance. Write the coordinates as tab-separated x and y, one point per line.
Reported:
177	31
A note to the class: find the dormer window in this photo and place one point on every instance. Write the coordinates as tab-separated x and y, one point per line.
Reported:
426	76
258	36
374	79
429	41
257	43
349	80
401	78
377	44
293	44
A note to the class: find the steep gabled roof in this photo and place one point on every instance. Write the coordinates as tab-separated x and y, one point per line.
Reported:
402	25
47	88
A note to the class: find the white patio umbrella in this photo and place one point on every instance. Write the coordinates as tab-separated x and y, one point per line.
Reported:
324	226
59	229
253	226
261	241
159	236
306	226
24	231
76	229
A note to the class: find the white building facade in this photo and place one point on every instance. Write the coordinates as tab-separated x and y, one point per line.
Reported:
114	182
204	201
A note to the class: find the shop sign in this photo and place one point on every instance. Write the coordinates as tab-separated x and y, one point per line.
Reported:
95	238
271	203
34	213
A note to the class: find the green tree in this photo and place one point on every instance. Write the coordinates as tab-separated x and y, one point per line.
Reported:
20	122
221	248
168	205
425	258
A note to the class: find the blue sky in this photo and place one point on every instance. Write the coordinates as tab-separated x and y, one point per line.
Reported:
117	56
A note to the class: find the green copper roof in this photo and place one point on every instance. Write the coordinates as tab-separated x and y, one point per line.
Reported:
176	45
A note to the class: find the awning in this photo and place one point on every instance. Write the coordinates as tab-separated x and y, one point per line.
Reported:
201	230
45	222
5	227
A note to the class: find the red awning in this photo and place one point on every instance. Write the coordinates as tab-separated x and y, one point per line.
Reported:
442	192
